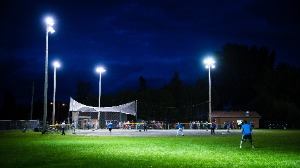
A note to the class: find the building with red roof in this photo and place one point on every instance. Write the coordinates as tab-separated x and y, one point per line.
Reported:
236	117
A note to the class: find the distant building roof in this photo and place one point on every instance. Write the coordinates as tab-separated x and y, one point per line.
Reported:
234	114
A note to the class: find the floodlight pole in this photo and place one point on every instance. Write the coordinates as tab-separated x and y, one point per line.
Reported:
99	98
45	86
50	23
31	109
209	91
209	62
56	65
100	70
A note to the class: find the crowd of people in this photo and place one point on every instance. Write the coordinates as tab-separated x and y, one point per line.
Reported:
162	125
245	127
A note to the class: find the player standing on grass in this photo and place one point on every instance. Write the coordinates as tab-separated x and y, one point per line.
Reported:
246	134
179	126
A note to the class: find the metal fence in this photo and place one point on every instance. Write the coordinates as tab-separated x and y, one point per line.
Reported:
82	118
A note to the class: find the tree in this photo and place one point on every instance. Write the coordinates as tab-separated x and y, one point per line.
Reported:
176	87
278	98
143	84
9	105
240	73
84	93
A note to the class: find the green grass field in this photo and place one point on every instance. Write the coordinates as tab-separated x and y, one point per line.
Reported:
273	148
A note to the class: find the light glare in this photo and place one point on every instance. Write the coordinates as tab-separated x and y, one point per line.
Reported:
49	21
209	62
100	69
56	64
51	30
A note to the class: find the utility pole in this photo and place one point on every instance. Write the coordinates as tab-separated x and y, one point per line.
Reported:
31	109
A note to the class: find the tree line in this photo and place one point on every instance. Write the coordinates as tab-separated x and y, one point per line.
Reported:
246	78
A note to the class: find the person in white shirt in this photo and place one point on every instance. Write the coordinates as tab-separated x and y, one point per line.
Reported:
63	125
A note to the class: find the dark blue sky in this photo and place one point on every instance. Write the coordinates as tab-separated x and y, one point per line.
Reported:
134	38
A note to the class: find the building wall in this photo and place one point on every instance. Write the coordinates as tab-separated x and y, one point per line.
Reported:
222	120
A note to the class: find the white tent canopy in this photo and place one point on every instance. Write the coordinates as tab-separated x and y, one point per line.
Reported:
128	108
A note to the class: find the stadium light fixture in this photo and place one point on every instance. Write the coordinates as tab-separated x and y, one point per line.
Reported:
56	64
100	70
209	63
49	23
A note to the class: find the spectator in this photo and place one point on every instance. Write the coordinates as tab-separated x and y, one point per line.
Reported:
212	128
228	127
88	125
63	125
145	126
225	124
252	124
206	125
73	127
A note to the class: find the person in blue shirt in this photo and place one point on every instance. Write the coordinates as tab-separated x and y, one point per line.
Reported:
246	134
228	127
109	126
179	126
212	128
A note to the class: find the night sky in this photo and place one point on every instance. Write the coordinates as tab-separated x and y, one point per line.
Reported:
134	38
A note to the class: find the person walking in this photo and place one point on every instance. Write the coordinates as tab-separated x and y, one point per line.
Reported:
63	125
109	126
180	129
228	127
246	134
88	125
206	125
212	128
145	126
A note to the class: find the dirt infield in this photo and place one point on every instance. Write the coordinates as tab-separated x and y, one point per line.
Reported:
153	132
